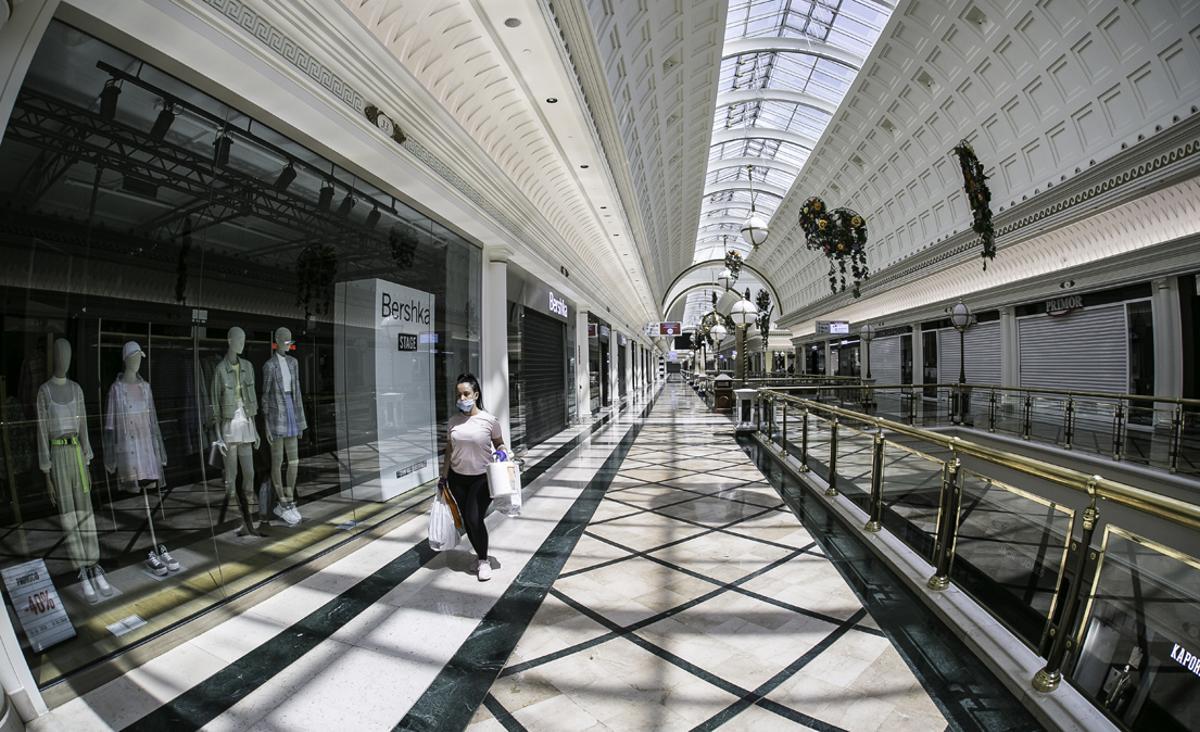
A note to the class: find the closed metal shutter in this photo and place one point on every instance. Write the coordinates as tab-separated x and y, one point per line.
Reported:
983	354
1086	350
544	377
885	360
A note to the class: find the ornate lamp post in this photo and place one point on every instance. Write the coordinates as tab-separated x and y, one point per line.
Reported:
961	318
742	314
867	334
726	279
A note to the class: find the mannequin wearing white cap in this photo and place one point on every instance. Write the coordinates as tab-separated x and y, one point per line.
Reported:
234	406
133	446
283	416
64	453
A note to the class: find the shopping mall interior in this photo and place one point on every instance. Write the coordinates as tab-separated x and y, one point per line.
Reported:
600	365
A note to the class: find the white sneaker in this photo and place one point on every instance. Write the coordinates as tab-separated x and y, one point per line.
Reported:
165	557
295	512
155	565
484	570
101	582
283	512
89	592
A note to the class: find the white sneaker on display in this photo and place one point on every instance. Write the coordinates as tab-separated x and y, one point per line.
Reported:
89	592
155	565
165	557
295	513
101	582
484	570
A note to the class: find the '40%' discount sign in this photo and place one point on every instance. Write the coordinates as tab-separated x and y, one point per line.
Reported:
37	604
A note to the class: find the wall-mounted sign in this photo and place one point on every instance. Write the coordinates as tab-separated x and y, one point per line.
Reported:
833	327
1186	658
591	330
1063	305
37	604
384	123
557	305
670	329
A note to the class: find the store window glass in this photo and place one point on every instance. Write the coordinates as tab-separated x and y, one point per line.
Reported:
221	353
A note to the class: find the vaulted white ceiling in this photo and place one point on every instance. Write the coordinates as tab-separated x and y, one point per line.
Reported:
1043	89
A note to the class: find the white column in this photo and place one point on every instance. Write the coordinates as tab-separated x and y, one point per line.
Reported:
614	366
19	39
828	358
918	353
582	365
1010	354
629	370
1168	337
494	362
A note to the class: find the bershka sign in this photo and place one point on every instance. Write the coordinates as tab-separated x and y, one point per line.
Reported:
1186	658
412	311
1063	305
557	305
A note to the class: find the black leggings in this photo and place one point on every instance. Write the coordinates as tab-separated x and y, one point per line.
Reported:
471	494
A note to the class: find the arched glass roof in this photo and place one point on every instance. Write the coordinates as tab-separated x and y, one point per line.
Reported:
786	67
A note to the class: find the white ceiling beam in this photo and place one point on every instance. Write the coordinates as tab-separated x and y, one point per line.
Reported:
741	96
742	185
734	134
772	163
806	46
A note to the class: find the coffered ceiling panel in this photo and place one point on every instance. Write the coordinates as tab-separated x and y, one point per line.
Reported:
1043	90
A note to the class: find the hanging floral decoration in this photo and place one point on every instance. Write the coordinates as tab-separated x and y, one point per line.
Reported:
763	301
841	235
733	263
703	331
316	268
979	196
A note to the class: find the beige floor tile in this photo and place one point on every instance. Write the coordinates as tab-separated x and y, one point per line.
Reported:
655	474
590	551
721	556
645	531
712	511
810	582
633	590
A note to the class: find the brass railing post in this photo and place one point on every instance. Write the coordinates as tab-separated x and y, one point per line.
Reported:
1069	421
783	432
804	441
1048	678
1119	431
992	410
943	545
912	405
875	521
1027	418
833	440
1176	437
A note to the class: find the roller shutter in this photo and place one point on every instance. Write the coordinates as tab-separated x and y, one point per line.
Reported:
983	354
544	376
1086	350
885	360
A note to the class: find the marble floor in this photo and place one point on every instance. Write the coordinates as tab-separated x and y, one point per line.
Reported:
661	576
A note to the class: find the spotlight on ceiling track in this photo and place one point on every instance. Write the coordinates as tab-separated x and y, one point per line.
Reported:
108	99
286	176
326	196
163	121
373	218
345	206
221	147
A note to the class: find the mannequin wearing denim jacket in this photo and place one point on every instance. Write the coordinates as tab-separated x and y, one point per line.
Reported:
283	416
234	405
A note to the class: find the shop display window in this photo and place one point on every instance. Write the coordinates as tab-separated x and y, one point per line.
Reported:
221	354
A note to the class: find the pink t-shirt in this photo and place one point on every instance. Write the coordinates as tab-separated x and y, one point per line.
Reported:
471	442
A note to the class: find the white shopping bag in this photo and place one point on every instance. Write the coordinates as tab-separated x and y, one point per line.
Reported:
504	478
443	534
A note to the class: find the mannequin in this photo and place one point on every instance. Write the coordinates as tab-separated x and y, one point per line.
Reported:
64	453
133	446
234	406
283	414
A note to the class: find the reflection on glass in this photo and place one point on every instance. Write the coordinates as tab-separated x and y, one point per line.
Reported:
169	354
912	489
1009	553
1140	655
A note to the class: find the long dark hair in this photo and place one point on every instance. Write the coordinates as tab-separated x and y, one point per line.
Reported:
469	378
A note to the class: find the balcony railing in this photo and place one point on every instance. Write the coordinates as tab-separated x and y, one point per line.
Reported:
1099	578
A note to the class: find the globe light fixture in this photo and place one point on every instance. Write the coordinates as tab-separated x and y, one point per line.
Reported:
867	334
961	318
742	314
718	333
754	228
726	279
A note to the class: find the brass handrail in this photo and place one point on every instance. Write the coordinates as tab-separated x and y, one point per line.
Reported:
1164	507
1116	396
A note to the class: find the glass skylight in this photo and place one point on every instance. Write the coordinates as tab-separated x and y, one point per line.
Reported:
774	102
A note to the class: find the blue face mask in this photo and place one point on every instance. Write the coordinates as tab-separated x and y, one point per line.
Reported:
466	405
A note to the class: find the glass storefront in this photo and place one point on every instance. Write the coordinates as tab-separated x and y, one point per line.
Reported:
221	353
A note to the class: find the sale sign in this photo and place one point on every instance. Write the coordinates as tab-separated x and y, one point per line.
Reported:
38	606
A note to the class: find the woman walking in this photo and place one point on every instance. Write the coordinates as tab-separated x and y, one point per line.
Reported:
471	437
